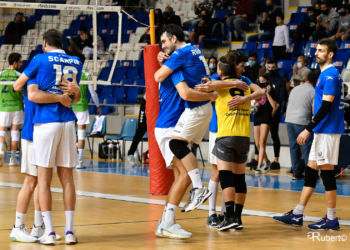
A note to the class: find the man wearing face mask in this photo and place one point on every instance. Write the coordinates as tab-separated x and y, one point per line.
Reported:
327	22
300	71
203	28
305	29
170	18
267	23
252	70
344	24
78	43
198	8
15	29
279	86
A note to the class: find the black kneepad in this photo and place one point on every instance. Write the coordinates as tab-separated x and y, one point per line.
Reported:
179	148
311	176
328	178
226	179
240	184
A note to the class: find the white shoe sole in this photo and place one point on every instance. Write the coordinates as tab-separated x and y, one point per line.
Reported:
204	200
180	237
287	223
226	227
23	241
159	234
80	167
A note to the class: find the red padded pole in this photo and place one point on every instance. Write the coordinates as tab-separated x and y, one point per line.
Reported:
161	178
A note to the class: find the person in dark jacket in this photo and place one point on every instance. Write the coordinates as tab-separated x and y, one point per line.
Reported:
252	70
170	18
267	24
203	28
279	86
15	29
78	43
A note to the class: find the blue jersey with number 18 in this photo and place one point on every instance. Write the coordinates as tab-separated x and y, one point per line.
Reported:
191	62
48	69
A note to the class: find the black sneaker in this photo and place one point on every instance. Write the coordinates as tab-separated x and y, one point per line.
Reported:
298	176
252	163
221	218
274	166
237	223
226	224
213	221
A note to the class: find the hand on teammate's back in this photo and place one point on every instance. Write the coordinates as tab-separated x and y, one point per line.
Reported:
70	87
209	86
236	101
241	85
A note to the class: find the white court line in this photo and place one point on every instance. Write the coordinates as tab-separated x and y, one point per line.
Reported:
162	202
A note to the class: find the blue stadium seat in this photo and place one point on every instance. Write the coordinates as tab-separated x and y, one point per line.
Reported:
298	17
119	72
269	53
131	73
265	45
221	13
106	92
310	49
249	45
314	65
298	48
141	73
125	38
110	100
281	72
285	64
104	74
302	9
131	94
261	55
217	40
113	30
118	93
139	64
104	32
341	59
82	18
140	82
345	45
105	110
126	63
292	26
338	43
110	39
245	51
197	45
67	32
92	110
39	13
33	53
127	82
289	74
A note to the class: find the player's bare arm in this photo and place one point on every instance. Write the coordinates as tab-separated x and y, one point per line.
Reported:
320	115
192	95
162	57
71	88
239	100
217	84
162	73
20	82
39	96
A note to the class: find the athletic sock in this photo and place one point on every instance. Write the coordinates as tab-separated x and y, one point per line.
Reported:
230	208
13	154
331	213
2	145
195	178
223	206
69	220
163	217
47	217
298	210
213	187
20	219
38	218
81	153
170	213
238	210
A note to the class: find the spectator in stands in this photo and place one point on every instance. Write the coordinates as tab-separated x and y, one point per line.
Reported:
267	23
78	43
305	29
209	5
213	62
253	68
327	22
279	85
281	39
158	21
344	24
300	71
15	29
170	18
347	105
244	13
202	29
317	8
299	114
100	44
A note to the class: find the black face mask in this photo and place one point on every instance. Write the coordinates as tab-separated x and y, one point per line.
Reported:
291	88
317	12
345	94
167	15
205	17
325	12
270	7
342	13
158	16
263	84
273	72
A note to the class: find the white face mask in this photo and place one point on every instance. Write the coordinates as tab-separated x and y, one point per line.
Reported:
299	65
91	32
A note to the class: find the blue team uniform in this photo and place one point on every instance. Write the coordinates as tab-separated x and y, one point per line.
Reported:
330	83
48	69
191	62
29	110
171	105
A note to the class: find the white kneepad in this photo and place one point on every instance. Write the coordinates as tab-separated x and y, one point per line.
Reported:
15	135
81	134
3	133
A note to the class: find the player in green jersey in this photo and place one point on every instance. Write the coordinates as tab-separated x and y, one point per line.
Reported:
81	110
11	108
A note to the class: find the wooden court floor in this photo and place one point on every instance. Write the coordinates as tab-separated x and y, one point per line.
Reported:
117	212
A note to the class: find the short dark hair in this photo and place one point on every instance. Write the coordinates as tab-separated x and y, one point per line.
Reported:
325	3
331	45
173	30
81	57
213	57
53	38
345	6
228	64
240	57
253	54
170	8
14	57
83	28
311	8
281	15
313	76
19	13
304	58
271	61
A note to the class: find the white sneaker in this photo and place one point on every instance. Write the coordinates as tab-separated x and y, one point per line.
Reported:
14	162
38	232
198	197
183	209
48	239
266	167
130	159
173	231
258	170
2	156
158	232
20	234
80	166
70	238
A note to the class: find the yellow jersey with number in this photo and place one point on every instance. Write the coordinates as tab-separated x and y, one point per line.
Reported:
236	121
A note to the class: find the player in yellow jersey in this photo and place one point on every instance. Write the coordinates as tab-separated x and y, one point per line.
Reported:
233	137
